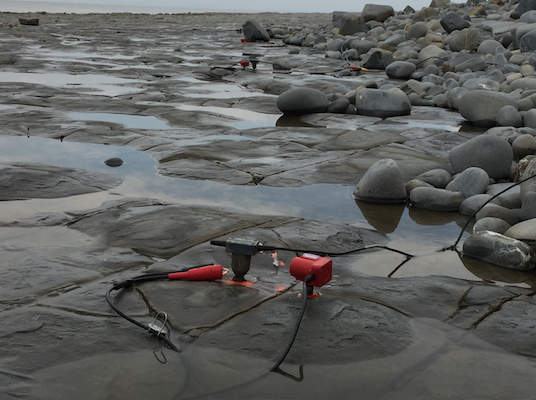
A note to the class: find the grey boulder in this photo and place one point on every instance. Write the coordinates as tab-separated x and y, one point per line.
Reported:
524	145
415	183
382	183
480	107
431	54
382	103
335	45
493	154
489	46
523	7
529	119
417	30
528	208
473	64
528	17
491	224
338	106
524	84
377	59
509	116
454	22
351	25
454	97
493	210
474	203
511	198
435	199
525	231
362	46
400	69
530	184
438	177
499	250
254	32
470	182
528	42
301	101
374	12
468	39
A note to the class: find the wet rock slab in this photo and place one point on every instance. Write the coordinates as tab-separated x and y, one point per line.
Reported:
372	324
370	330
30	181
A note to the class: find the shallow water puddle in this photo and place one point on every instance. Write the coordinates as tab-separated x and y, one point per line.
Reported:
130	121
414	231
104	84
221	91
248	119
449	128
40	53
193	58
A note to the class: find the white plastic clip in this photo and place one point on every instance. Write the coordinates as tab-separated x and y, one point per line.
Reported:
153	327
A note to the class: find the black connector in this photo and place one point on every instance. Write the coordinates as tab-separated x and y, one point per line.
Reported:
248	247
309	278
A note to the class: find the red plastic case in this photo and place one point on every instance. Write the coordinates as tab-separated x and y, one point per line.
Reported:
306	264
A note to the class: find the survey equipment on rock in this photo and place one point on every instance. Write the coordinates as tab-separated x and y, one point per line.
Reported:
312	267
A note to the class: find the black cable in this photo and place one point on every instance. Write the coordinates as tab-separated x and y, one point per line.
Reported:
343	253
160	336
318	252
139	279
280	359
121	313
453	247
307	279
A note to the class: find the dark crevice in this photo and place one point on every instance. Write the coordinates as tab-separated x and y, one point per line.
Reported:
461	306
493	310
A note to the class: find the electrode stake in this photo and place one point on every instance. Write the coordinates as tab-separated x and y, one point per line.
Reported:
241	251
240	264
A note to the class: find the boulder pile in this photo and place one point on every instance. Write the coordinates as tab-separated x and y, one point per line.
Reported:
476	59
484	182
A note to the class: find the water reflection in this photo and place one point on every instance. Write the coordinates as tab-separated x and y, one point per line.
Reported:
436	218
415	231
104	84
444	127
293	120
492	273
221	91
384	218
246	119
140	178
130	121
